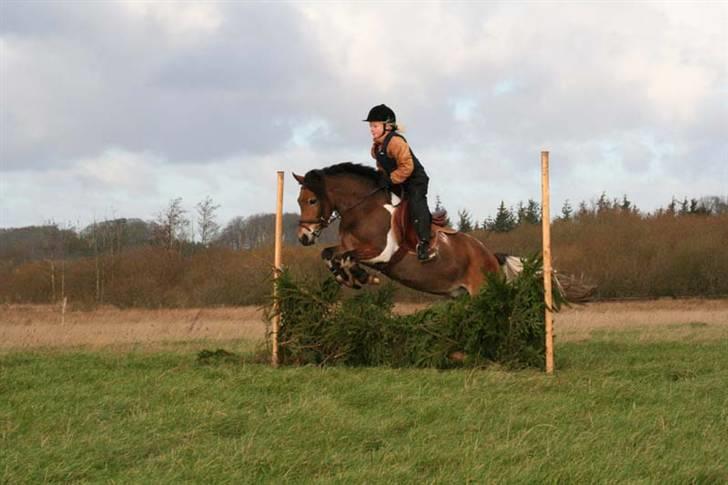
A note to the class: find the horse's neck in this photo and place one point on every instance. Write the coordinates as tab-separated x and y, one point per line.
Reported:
344	199
359	215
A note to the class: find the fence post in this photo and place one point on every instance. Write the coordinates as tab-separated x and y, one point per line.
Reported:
547	270
277	256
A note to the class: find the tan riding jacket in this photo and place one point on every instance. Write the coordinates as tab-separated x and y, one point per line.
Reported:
399	150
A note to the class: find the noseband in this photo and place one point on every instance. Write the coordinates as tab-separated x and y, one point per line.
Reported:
321	221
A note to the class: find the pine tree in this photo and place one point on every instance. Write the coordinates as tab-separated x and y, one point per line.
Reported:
440	207
528	214
603	203
566	211
504	219
520	213
533	212
625	205
465	221
583	209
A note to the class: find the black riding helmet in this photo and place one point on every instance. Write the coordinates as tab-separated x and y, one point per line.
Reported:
382	113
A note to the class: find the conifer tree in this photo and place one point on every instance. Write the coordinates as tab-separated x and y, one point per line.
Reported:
504	219
465	221
440	207
625	205
566	211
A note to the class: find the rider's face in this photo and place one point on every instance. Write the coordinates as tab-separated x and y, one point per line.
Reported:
376	128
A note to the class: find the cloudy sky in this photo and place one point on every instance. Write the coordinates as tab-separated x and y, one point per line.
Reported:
112	108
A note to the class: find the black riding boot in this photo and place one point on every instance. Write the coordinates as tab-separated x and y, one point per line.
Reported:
417	193
423	251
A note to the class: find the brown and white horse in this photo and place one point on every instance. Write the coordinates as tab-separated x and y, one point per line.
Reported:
370	236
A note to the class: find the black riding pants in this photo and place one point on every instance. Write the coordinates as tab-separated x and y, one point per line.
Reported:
416	192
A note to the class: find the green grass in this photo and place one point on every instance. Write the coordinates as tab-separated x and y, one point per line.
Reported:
615	411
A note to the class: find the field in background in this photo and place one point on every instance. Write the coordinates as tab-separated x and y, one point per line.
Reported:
35	326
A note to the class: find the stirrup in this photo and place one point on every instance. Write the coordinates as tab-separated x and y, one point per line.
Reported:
426	254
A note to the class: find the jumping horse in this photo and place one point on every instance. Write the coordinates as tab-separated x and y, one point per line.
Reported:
375	233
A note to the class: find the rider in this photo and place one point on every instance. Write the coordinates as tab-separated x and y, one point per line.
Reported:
399	166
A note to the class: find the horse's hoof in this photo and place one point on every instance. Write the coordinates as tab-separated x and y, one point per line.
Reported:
457	356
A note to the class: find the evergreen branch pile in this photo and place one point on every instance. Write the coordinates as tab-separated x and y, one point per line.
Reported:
503	323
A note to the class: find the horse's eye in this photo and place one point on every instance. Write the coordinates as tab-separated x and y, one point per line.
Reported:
312	201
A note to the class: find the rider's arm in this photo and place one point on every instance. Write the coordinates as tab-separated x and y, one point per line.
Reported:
375	148
399	150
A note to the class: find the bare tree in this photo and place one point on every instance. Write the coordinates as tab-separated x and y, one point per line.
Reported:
172	225
206	221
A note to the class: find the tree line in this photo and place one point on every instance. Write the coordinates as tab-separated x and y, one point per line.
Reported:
176	228
189	259
508	218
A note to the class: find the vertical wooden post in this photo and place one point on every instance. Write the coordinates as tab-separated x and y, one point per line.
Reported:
63	310
547	270
276	271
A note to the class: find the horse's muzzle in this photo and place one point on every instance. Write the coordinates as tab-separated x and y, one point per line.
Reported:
306	236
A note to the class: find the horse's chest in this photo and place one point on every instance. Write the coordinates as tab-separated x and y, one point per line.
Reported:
391	245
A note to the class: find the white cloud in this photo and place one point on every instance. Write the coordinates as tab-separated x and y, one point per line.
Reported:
182	22
128	104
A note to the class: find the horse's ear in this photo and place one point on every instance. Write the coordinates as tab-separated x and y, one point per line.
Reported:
299	178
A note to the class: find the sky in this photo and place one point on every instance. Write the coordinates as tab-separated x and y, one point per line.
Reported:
113	108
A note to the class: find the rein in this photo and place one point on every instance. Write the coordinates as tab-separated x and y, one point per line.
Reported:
324	223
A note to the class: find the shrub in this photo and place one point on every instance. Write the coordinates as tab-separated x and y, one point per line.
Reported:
503	323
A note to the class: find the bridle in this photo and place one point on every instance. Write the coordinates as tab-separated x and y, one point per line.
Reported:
324	222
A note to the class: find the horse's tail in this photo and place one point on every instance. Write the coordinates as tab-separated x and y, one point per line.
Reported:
573	289
511	266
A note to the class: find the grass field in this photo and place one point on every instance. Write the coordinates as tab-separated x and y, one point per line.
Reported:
640	395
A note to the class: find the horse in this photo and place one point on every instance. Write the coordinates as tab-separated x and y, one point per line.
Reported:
374	234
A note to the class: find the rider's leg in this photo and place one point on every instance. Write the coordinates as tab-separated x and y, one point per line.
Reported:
420	214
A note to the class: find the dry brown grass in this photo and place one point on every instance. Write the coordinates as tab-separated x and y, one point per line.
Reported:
648	320
31	326
656	320
34	326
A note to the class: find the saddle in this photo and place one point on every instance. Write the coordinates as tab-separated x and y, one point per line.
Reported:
405	234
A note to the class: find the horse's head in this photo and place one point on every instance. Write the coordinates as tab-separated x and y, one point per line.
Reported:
315	207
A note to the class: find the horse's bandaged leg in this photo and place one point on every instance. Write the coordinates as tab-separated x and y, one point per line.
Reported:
333	262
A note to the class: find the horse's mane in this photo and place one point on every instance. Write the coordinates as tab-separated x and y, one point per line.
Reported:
314	179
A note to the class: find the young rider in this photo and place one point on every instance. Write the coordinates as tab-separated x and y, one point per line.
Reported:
399	166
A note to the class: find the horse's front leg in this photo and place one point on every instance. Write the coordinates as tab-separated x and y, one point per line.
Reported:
360	276
332	258
346	268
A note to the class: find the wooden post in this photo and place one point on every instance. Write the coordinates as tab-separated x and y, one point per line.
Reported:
276	271
547	271
63	310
